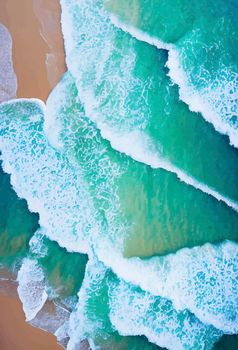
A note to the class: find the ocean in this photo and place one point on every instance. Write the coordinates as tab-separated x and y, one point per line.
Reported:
119	196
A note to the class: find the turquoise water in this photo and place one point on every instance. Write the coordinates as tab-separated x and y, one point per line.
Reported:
17	225
202	37
128	216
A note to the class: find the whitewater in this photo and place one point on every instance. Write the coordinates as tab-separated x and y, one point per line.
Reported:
136	239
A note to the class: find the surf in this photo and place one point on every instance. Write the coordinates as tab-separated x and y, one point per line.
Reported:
151	130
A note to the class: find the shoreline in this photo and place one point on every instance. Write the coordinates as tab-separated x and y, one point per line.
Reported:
15	332
38	62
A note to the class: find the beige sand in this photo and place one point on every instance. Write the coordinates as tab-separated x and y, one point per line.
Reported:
38	52
38	59
15	333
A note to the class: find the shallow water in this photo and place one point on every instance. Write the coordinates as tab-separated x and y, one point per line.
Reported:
131	218
17	225
203	34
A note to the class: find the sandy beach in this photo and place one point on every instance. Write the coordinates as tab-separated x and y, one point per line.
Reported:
38	51
39	62
15	333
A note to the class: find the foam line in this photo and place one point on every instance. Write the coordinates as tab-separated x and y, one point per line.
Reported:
139	151
37	202
186	92
201	279
54	188
135	144
39	102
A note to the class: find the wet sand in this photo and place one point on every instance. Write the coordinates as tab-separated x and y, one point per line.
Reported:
39	62
38	51
15	333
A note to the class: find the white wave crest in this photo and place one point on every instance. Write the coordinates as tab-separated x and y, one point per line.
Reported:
138	146
134	142
187	93
55	189
132	312
201	279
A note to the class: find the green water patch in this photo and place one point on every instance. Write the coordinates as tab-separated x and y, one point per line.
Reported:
204	35
108	305
117	342
124	87
17	225
147	210
86	162
227	343
63	270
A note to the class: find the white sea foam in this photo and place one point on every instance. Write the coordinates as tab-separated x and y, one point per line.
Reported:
39	103
202	280
54	177
37	245
152	276
132	312
31	288
8	80
205	104
138	146
83	322
131	140
55	189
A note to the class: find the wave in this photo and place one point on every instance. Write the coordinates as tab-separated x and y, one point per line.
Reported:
109	79
216	98
193	279
137	146
70	140
48	283
107	304
89	319
85	194
69	135
134	144
137	224
49	169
